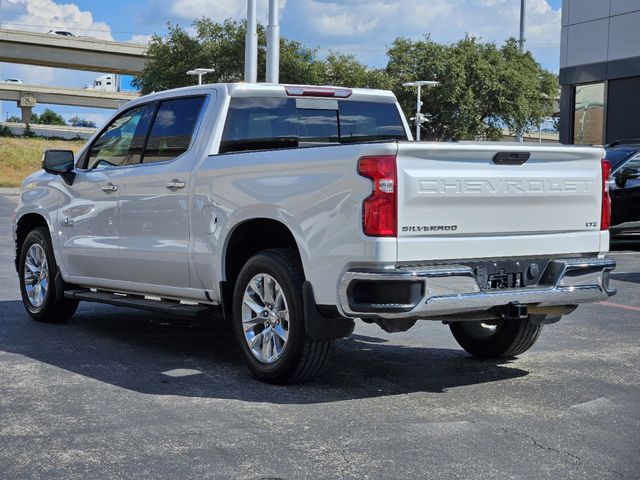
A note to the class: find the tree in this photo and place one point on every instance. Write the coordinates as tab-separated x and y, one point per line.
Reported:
48	117
346	71
219	46
76	121
28	133
168	61
6	131
14	119
482	90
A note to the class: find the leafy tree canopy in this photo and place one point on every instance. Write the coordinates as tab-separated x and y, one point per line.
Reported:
219	46
76	121
483	87
48	117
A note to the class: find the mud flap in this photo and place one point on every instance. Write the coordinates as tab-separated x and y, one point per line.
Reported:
317	325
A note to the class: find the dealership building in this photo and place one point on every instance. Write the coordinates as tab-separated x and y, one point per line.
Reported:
600	71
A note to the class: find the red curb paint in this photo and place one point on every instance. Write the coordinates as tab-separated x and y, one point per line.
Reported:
617	305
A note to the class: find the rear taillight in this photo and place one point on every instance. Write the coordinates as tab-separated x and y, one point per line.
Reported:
605	217
379	210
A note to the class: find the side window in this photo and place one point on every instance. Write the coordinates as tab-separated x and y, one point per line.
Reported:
123	140
172	129
259	124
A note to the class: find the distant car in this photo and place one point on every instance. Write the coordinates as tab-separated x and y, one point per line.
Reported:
624	186
12	80
64	33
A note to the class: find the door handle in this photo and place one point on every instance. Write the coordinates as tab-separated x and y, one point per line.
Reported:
109	187
175	185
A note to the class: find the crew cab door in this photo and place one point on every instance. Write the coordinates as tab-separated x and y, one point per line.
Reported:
88	221
154	199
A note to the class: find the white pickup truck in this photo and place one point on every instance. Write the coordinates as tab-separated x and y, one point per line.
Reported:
296	210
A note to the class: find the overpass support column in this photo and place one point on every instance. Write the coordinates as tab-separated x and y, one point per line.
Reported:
26	103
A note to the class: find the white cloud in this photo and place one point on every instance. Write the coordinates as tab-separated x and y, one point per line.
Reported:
345	24
378	22
42	16
45	15
219	10
142	39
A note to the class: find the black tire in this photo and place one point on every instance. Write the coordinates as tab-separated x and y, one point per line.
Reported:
54	308
301	357
509	338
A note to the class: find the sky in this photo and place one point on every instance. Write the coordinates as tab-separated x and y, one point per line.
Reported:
364	28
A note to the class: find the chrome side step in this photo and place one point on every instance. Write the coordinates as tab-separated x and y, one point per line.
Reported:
138	301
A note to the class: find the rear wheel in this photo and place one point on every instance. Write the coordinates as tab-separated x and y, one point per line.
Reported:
268	317
496	339
38	270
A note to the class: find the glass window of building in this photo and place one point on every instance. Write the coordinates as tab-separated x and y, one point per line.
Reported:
588	114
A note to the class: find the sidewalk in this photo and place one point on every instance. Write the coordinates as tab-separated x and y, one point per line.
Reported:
9	191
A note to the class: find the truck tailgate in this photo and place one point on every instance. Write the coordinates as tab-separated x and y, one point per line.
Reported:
455	201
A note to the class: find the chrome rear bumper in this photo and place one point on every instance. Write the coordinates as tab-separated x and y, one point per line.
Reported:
452	289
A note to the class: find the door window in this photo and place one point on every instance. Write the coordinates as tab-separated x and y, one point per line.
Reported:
123	140
173	129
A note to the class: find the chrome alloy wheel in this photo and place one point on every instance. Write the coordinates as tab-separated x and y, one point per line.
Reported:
36	275
265	318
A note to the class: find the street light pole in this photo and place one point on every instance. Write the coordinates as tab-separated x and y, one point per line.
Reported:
419	118
523	5
200	72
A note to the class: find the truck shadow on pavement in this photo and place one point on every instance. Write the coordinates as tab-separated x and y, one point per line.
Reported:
162	355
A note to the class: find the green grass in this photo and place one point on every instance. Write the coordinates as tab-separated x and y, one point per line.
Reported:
20	157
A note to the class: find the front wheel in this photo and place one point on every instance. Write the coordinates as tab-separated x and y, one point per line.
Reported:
269	322
496	339
38	269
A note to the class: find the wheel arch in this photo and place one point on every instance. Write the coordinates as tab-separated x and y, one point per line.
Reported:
25	224
245	240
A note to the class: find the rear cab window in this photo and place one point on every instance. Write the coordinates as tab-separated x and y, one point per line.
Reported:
266	123
172	129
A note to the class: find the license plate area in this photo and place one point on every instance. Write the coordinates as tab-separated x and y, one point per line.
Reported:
509	274
498	281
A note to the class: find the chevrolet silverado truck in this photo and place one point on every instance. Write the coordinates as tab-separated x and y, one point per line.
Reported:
294	211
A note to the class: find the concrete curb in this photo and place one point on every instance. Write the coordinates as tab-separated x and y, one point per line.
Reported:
9	191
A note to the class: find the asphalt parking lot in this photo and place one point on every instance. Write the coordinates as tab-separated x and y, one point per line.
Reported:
118	393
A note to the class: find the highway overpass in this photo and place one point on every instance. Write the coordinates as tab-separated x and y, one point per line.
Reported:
28	96
76	53
59	131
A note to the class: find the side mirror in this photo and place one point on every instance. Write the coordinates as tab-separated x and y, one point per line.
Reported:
59	162
630	173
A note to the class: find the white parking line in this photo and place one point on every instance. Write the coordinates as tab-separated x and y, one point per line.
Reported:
181	372
594	407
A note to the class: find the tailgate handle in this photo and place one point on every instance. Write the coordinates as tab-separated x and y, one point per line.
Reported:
511	158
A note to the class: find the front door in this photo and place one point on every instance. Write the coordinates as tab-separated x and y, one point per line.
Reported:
88	220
